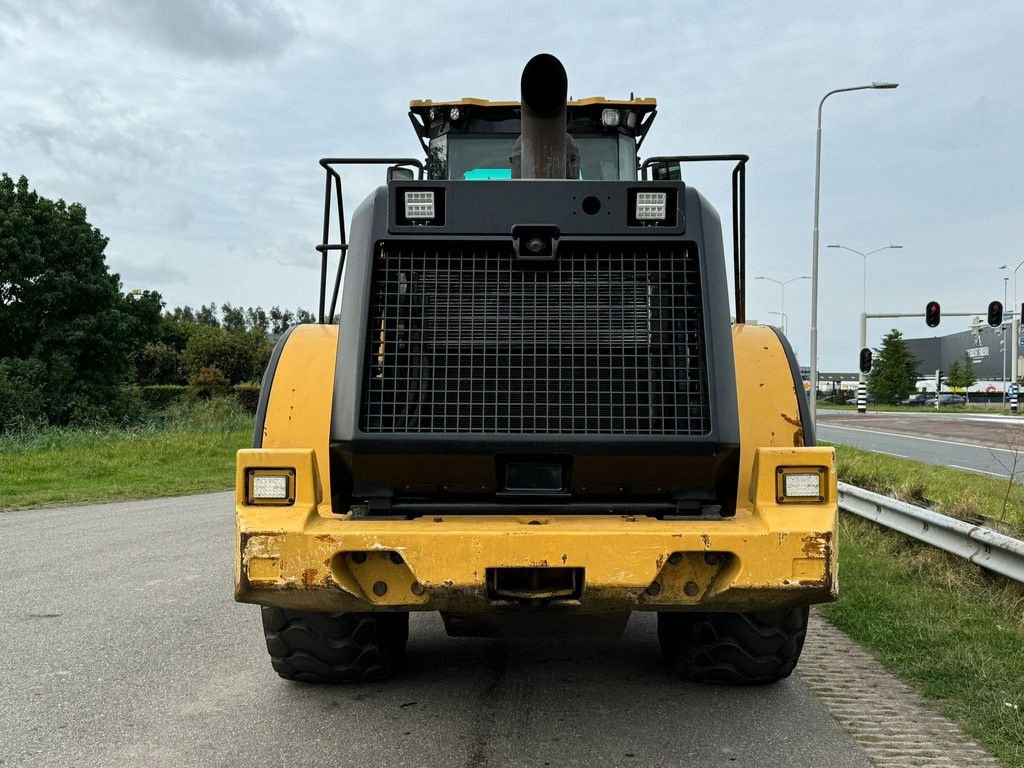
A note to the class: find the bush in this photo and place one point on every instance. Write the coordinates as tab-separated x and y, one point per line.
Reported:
160	396
21	394
240	356
248	395
207	383
157	363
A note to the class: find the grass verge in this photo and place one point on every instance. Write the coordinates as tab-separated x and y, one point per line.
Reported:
949	491
190	449
950	629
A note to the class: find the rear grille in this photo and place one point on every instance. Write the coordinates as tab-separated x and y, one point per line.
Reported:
608	341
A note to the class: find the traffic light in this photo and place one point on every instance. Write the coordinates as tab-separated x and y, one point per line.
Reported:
865	360
995	314
932	313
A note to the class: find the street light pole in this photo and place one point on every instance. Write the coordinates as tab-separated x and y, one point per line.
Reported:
862	403
864	258
785	322
782	284
1014	336
814	257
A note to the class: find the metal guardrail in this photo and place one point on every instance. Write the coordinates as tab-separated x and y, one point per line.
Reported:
989	549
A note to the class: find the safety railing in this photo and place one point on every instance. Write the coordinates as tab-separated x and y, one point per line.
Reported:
990	549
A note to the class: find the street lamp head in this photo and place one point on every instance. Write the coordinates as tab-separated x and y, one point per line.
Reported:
895	246
885	85
834	246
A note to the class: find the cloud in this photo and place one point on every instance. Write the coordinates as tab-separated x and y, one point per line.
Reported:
227	30
150	276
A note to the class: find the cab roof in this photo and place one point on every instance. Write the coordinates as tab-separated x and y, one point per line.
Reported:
642	104
434	118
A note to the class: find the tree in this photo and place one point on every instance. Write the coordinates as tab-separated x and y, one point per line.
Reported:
960	374
256	318
280	320
894	374
63	316
232	318
207	315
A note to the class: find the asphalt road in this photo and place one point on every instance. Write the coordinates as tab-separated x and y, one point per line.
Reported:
974	444
120	645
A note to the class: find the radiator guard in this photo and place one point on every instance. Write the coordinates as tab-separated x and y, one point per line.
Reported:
612	361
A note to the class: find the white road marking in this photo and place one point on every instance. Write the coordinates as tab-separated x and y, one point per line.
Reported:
890	453
915	437
982	471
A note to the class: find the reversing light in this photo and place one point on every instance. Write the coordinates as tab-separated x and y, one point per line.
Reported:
419	205
801	485
271	487
651	206
610	118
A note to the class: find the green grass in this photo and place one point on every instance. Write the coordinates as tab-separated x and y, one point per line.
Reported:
949	491
950	629
189	450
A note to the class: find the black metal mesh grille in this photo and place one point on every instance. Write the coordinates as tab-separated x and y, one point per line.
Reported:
607	341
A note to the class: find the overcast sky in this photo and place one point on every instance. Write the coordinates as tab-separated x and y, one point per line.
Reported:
191	130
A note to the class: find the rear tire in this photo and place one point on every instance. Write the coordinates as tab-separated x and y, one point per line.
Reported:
753	648
334	647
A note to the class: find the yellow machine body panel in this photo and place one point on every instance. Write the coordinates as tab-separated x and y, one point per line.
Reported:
777	550
299	409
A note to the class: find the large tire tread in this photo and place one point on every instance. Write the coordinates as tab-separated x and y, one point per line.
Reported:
754	648
334	647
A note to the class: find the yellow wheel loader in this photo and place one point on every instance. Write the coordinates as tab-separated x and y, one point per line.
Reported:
526	407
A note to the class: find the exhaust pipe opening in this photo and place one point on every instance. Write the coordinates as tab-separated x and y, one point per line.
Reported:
544	150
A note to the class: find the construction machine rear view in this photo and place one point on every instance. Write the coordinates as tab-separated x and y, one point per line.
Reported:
534	413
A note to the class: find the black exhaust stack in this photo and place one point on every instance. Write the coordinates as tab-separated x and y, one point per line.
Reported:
544	150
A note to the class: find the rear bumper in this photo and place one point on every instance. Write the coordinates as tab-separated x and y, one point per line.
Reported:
305	557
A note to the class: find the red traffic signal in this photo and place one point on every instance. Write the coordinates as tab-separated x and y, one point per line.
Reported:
932	313
865	360
995	314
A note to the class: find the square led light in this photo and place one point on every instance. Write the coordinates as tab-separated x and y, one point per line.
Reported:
270	487
610	117
651	206
419	204
802	485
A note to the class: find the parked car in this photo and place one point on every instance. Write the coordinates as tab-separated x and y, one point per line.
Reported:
919	398
871	400
945	400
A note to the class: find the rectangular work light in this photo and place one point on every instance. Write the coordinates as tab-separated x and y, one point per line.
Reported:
271	487
801	484
651	206
419	205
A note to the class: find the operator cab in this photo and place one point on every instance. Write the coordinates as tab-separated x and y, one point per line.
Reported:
472	139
